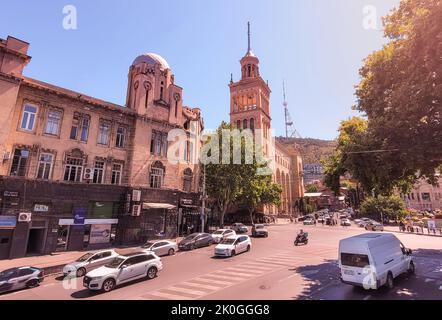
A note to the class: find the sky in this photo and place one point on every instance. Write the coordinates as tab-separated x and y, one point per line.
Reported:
315	46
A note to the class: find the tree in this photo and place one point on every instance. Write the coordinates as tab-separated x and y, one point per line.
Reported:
390	207
311	188
400	90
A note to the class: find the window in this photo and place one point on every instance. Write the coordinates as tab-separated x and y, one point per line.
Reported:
244	126
238	124
156	175
426	197
73	169
53	123
116	173
158	143
85	128
188	150
45	166
28	118
354	260
19	162
121	133
161	90
252	124
75	126
103	133
98	172
187	180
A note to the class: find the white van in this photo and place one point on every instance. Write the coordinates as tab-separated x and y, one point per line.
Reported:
372	260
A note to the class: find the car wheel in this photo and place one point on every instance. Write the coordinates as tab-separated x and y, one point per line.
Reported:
81	272
32	283
232	253
248	248
412	268
108	285
192	246
171	252
390	281
210	243
152	273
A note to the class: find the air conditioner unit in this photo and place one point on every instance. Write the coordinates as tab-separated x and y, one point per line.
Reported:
136	195
88	174
136	210
24	217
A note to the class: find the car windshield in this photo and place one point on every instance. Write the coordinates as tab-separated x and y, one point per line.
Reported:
191	237
228	241
259	227
115	263
148	245
85	257
218	232
7	274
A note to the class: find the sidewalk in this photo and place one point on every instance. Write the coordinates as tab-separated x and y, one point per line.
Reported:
396	229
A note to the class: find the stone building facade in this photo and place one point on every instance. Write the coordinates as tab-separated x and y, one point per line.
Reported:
78	172
250	109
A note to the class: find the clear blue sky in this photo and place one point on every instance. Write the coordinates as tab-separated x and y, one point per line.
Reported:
317	46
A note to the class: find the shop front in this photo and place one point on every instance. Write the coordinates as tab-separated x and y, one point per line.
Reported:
189	217
7	226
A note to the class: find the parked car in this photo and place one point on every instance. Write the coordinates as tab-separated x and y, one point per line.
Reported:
343	216
321	220
345	222
239	228
374	226
20	278
123	269
233	245
363	223
259	230
221	234
309	221
162	247
373	260
89	262
195	240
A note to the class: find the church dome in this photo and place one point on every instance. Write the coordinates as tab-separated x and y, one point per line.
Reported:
151	59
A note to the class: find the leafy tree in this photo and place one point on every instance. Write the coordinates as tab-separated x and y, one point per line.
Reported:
400	90
391	207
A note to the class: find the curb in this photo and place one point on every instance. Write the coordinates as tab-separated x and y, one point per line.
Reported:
414	233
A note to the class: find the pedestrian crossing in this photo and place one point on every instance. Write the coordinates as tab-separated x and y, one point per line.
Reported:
210	283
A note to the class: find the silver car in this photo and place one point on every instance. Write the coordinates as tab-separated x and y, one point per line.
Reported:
162	247
89	262
20	278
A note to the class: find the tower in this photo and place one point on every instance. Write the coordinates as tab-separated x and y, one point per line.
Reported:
250	98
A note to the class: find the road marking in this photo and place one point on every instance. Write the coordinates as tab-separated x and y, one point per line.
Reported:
199	285
49	285
157	294
216	276
259	265
186	291
234	273
210	281
257	272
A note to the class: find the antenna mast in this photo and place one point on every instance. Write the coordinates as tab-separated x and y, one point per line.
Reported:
290	130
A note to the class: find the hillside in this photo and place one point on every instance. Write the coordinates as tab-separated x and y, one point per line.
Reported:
312	150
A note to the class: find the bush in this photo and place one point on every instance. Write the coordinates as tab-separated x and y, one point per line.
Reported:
391	207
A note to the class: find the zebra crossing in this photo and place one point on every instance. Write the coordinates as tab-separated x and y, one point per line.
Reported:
210	283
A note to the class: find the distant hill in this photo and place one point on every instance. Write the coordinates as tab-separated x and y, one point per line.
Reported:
312	150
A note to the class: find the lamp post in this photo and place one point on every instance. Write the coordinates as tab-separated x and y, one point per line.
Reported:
203	198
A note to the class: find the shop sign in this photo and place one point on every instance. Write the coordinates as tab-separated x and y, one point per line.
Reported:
11	194
8	222
79	216
100	234
187	202
41	208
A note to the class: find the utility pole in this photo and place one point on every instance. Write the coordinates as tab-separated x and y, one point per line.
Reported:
204	196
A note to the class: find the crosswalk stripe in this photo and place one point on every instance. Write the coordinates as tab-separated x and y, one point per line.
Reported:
216	276
276	263
257	272
172	291
210	281
259	265
234	273
186	290
199	285
156	294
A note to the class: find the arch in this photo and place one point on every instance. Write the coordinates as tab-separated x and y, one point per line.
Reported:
252	124
156	176
238	124
245	124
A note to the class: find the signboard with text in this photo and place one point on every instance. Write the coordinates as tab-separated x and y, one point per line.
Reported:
100	234
8	222
79	216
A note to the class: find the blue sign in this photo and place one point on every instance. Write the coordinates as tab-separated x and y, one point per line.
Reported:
8	222
79	216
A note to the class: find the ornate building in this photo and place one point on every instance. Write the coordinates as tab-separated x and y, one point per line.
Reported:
73	166
250	109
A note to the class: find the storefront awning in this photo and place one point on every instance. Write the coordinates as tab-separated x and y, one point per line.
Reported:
189	206
166	206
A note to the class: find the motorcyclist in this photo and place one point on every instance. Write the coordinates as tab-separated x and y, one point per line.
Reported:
300	235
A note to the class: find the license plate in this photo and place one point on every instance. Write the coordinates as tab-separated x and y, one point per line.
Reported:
349	272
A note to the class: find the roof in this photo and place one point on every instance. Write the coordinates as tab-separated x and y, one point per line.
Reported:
369	237
151	59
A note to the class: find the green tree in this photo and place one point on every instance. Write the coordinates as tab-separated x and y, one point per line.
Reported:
391	207
400	90
311	188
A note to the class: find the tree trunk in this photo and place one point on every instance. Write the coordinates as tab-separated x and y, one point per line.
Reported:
223	213
251	210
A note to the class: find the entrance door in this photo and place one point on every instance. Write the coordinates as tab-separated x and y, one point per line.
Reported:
36	241
62	239
5	243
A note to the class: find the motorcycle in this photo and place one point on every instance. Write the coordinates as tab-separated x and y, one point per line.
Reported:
301	239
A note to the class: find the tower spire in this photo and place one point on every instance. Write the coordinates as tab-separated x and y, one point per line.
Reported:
248	37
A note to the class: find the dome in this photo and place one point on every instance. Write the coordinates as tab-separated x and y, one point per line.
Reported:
151	59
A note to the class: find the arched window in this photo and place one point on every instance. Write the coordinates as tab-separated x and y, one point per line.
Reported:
252	124
244	124
238	124
187	180
148	87
157	175
177	99
249	73
162	90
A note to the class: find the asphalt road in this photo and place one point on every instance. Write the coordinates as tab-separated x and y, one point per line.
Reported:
273	270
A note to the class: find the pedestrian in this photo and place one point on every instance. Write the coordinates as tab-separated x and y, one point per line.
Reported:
315	222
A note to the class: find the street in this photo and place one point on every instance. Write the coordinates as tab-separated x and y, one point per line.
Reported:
273	270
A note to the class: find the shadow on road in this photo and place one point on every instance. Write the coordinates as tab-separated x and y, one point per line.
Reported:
323	281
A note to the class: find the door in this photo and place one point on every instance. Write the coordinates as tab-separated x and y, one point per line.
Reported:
160	248
23	277
199	241
127	272
5	243
355	268
36	240
62	238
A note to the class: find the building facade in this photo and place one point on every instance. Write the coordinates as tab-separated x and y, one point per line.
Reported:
250	109
425	196
78	172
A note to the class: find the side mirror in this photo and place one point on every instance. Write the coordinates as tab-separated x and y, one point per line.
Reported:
123	266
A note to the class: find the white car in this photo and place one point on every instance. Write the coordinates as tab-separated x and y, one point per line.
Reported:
162	247
345	222
123	269
372	260
233	245
221	234
89	262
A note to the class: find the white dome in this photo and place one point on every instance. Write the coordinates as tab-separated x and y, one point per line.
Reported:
151	59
